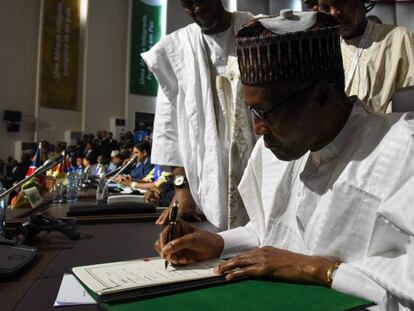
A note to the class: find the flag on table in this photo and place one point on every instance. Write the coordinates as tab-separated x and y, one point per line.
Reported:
67	164
63	167
36	161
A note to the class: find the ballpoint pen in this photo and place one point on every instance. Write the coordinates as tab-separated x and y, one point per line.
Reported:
172	222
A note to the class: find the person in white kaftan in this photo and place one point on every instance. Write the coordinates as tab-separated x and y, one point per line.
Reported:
378	59
329	186
201	127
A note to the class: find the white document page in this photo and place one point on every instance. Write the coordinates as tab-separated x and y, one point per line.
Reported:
121	276
71	293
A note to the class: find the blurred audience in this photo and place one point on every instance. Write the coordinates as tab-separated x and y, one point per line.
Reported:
95	155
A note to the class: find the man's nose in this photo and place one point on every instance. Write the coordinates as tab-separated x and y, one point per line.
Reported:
259	126
198	8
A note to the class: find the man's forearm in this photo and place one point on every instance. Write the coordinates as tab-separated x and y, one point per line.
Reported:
177	171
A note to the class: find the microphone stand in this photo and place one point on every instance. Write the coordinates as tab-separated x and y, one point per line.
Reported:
15	257
113	172
101	197
41	169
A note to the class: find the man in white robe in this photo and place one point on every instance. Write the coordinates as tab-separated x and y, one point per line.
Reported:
378	59
329	186
201	127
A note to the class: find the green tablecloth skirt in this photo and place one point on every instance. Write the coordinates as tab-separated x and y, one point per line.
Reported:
248	295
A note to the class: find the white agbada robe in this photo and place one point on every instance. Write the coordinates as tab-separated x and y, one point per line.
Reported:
384	59
353	199
200	122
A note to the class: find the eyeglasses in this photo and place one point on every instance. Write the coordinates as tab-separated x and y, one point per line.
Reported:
262	115
266	114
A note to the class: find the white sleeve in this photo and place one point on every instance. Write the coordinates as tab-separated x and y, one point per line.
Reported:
165	144
389	261
165	147
350	280
387	280
239	240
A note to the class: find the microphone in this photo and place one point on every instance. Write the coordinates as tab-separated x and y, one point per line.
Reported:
49	163
41	169
9	265
101	197
113	172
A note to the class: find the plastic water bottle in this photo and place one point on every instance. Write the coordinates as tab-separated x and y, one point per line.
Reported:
79	178
101	191
3	206
71	186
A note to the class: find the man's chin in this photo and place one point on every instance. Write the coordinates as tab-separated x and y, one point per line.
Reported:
347	32
208	28
283	156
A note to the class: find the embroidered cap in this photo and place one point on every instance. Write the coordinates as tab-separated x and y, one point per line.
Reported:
290	46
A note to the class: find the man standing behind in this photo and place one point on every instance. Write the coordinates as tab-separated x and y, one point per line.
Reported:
201	129
378	58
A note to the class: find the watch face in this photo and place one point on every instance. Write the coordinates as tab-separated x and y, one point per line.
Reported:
179	180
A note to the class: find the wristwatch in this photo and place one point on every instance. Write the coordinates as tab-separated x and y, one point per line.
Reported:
331	272
180	181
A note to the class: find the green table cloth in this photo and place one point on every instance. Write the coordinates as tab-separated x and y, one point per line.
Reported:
248	295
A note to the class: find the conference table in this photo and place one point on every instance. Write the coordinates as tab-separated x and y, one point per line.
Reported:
103	239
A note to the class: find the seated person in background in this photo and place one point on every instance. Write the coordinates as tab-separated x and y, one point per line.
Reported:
156	177
90	151
87	165
79	163
2	170
99	168
116	161
329	186
108	144
378	59
22	167
142	165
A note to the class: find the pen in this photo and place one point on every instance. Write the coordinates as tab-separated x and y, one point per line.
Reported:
172	222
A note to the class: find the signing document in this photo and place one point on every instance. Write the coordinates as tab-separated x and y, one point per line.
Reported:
128	275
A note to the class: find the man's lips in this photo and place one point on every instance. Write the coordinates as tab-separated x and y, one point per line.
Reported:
269	144
203	19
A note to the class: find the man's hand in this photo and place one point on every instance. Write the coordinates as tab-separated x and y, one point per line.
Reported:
186	205
152	195
126	180
119	178
190	244
270	262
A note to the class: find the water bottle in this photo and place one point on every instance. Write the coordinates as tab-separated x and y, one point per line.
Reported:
101	191
3	206
71	186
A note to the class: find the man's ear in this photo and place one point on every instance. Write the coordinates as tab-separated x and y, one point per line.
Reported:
323	92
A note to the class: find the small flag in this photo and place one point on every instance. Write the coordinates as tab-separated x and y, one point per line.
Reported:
36	161
67	164
62	168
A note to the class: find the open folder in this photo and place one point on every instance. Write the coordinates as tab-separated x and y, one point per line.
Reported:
142	278
123	286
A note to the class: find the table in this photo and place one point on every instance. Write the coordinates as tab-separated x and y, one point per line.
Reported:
101	241
15	217
36	288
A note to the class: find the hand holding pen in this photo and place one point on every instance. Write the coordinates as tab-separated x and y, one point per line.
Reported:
172	222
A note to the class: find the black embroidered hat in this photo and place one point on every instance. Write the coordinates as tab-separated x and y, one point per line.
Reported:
290	46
